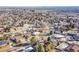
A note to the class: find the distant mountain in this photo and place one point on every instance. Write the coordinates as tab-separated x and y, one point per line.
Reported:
53	8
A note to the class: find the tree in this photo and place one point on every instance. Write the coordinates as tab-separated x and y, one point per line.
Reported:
40	48
7	29
48	39
49	46
50	32
33	40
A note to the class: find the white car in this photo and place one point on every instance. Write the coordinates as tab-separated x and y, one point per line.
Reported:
27	48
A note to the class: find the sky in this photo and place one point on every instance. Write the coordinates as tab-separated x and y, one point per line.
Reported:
39	3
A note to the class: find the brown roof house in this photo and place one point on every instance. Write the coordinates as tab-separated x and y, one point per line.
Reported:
72	48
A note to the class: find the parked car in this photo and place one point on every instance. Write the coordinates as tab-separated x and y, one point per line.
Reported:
24	47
